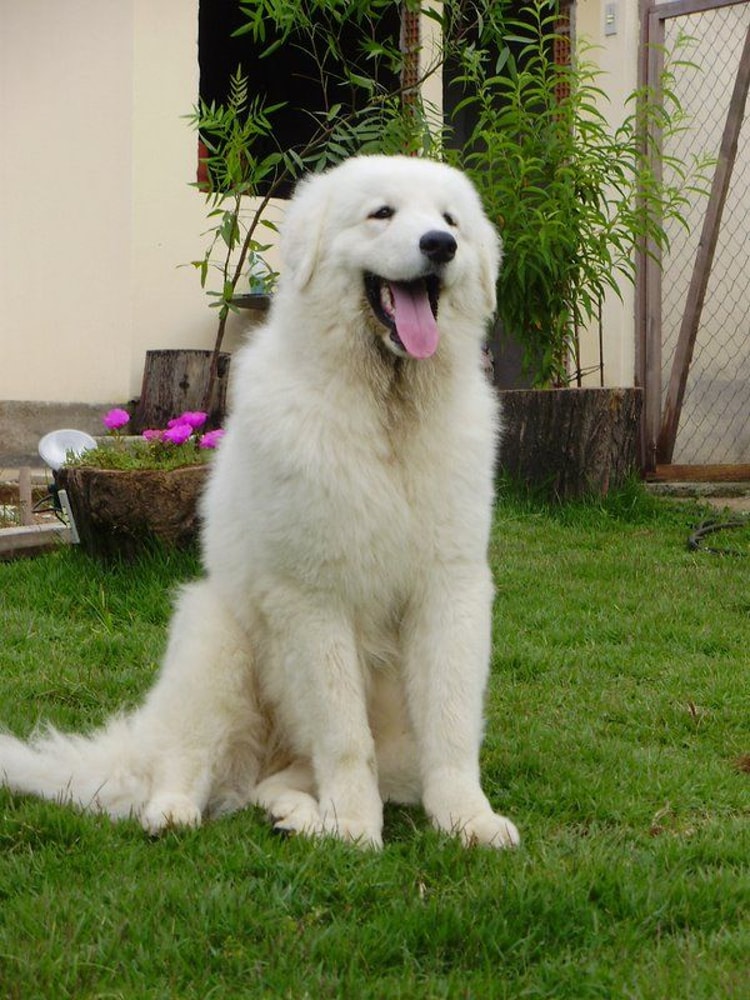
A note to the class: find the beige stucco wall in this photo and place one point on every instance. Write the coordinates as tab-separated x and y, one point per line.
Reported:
65	196
616	56
96	212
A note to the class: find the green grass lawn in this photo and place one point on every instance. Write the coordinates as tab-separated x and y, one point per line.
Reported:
617	712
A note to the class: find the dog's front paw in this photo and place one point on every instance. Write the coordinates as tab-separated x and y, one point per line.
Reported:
466	813
164	812
488	829
368	836
295	812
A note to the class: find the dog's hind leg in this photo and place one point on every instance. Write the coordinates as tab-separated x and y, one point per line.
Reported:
201	717
288	798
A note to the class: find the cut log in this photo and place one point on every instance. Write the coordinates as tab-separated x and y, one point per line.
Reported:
176	381
566	444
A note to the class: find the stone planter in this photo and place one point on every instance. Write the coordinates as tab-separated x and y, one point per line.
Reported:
119	513
565	444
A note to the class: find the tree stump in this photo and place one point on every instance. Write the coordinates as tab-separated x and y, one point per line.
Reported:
566	444
176	381
120	512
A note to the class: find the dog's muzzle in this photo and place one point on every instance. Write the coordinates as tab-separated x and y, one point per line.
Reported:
409	309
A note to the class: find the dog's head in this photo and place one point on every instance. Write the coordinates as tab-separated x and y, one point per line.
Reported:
408	237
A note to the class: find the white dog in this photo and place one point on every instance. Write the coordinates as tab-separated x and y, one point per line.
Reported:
336	653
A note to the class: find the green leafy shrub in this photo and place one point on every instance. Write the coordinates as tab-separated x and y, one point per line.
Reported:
572	196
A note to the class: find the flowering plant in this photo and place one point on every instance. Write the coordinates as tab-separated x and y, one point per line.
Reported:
179	444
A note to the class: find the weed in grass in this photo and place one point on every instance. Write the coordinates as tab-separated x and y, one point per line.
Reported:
616	715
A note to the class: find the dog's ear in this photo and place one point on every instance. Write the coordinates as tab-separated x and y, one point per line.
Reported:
302	229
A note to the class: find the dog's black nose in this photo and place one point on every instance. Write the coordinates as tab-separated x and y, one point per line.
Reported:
438	245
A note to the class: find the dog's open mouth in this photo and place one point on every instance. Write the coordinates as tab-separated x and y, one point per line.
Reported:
408	309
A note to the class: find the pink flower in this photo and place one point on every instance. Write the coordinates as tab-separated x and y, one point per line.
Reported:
115	419
196	418
177	434
152	434
211	438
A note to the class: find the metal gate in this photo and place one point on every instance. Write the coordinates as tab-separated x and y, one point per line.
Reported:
694	349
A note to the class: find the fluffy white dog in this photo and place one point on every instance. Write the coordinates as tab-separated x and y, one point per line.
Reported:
335	654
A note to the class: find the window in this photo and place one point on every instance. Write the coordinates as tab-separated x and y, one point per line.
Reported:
306	84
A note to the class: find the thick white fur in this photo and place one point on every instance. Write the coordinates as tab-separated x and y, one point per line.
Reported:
335	654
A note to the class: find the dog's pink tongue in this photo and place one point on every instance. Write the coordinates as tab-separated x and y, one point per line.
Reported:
415	323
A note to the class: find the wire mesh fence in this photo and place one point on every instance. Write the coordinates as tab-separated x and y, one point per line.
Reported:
715	422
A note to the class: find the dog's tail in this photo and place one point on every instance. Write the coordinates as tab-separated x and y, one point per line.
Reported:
97	773
193	747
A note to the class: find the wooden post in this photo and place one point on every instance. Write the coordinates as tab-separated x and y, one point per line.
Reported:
649	289
25	507
410	47
703	261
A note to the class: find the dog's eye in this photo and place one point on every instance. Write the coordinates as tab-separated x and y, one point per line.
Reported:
384	212
449	219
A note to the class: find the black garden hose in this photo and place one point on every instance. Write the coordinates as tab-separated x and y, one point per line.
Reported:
710	527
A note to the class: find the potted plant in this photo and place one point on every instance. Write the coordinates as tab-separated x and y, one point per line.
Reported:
131	491
574	198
